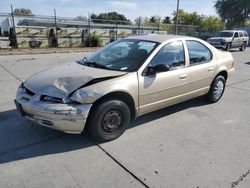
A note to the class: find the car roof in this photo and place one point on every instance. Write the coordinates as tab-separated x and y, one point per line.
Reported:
157	37
234	30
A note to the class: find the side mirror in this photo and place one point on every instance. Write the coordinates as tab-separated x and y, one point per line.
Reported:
157	68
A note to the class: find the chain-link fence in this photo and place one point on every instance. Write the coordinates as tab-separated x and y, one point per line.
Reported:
35	31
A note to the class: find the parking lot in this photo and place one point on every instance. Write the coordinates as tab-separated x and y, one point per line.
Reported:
191	144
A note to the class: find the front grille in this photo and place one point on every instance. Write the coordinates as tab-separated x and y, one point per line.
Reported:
49	99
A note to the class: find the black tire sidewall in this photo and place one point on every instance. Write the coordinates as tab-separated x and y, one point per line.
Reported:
94	127
210	96
228	47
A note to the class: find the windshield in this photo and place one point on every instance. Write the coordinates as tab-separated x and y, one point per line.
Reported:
124	55
225	34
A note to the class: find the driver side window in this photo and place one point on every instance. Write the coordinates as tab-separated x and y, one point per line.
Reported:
171	55
236	35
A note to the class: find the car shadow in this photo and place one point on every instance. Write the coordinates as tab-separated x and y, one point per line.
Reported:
247	63
22	139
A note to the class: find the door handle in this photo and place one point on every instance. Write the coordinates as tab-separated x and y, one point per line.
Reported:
183	76
210	69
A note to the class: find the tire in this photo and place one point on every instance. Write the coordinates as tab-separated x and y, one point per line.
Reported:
243	46
219	86
108	120
228	47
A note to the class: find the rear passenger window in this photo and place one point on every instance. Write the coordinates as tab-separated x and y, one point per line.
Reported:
245	34
198	53
241	34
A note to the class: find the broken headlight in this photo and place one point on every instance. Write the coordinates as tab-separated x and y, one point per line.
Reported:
56	100
223	42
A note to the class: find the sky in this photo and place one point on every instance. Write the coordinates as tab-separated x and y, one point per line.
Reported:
130	8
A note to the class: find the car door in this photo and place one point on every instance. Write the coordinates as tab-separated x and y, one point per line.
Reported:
236	40
242	38
202	67
164	88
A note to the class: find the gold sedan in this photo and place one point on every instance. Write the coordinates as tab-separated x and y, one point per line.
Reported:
102	93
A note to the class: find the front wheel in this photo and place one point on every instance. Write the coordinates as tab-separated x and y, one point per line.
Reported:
108	120
228	47
216	89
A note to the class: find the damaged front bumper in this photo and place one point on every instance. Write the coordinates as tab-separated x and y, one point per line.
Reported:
69	118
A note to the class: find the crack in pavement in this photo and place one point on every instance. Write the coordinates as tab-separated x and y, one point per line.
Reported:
72	176
229	85
32	144
241	178
12	74
117	162
243	89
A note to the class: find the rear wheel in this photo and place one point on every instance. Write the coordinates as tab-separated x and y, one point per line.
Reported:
108	120
216	90
228	47
243	46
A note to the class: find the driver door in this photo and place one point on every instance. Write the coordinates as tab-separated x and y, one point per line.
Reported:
164	88
236	40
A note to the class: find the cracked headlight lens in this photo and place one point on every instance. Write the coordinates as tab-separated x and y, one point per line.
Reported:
56	100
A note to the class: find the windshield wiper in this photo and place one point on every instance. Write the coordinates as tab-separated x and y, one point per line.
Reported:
92	64
97	65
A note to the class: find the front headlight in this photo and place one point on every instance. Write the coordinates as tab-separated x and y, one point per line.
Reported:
56	100
21	89
223	42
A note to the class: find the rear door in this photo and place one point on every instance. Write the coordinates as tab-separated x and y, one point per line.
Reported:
202	66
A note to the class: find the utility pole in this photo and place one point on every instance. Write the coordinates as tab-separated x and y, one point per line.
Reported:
89	21
116	29
14	40
139	25
177	15
56	36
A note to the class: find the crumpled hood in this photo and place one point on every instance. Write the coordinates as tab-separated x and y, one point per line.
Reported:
63	80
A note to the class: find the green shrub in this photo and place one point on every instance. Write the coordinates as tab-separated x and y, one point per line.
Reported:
93	41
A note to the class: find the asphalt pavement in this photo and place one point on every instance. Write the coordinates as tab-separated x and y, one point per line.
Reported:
192	144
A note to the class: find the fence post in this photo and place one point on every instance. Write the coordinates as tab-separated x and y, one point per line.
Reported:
159	27
14	40
116	25
89	30
140	25
177	15
56	35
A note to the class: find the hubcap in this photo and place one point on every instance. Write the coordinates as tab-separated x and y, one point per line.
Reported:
218	90
111	121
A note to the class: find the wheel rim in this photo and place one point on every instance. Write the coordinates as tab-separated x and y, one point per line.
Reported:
111	121
218	90
244	46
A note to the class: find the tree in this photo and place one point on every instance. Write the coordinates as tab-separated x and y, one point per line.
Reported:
80	18
186	18
155	19
142	21
233	12
110	18
22	11
167	20
211	24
